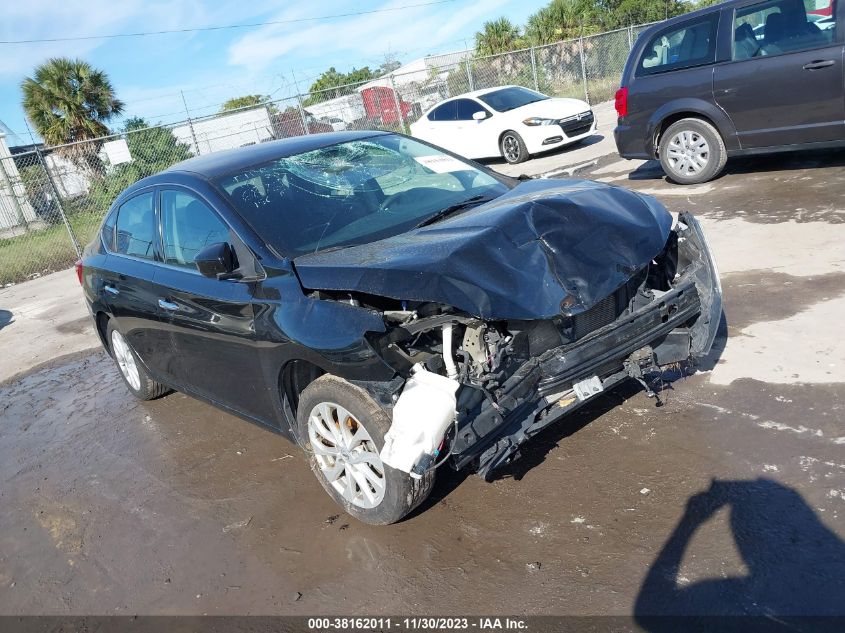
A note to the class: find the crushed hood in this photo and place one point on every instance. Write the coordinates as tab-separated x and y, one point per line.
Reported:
545	248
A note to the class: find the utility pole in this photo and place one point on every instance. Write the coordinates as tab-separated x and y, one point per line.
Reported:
305	129
190	123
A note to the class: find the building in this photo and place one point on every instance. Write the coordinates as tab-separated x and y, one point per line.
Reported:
226	131
16	213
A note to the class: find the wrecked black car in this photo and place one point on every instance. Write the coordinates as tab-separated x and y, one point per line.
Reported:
392	307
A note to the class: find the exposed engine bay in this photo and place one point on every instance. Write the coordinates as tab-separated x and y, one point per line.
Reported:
510	378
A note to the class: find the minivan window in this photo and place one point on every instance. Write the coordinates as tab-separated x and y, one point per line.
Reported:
692	44
136	227
782	26
188	226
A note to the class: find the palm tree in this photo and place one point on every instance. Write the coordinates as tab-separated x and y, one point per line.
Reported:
497	36
68	100
560	20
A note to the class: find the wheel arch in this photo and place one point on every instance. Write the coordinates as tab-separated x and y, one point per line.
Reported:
294	376
690	109
101	322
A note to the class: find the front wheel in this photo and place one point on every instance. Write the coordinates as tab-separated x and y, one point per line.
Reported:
692	151
513	148
342	429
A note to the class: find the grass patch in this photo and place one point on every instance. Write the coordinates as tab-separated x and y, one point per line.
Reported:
42	251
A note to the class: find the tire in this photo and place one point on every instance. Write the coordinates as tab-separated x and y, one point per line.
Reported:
387	494
513	148
130	368
682	147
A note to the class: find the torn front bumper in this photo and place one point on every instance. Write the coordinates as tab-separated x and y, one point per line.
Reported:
679	324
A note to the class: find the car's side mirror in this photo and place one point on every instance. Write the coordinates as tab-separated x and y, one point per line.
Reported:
216	260
479	116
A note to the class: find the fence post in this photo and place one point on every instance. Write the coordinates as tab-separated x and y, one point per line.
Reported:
62	213
397	105
469	74
15	202
305	129
584	68
190	123
630	36
534	70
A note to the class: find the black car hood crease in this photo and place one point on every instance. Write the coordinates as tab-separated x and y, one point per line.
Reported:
544	248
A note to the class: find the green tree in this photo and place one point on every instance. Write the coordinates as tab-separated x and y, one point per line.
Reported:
497	36
620	13
153	149
561	20
68	100
244	101
333	84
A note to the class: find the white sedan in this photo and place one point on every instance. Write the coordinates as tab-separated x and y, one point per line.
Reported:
508	121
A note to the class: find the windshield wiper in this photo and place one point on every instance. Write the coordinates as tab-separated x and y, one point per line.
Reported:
469	202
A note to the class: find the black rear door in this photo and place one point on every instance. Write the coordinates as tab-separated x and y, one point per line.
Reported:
129	287
784	83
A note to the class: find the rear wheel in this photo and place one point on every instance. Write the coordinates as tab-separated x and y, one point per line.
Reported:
513	148
692	151
342	429
131	370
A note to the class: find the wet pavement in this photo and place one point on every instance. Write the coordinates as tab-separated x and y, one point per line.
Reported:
730	498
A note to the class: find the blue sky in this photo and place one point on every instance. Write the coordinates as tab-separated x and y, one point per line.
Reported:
148	72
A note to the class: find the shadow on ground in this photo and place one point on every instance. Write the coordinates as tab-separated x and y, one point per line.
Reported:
785	161
796	565
590	140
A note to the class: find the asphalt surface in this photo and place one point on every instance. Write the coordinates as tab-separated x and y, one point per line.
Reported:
728	499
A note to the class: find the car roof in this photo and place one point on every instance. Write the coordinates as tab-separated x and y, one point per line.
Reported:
485	91
227	161
727	4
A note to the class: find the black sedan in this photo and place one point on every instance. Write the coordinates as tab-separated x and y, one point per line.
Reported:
389	306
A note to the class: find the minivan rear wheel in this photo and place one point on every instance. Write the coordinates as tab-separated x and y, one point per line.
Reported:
342	429
692	151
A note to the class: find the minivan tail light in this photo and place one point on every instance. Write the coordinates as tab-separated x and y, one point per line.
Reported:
78	266
621	101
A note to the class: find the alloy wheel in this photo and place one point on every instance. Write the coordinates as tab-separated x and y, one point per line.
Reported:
346	455
688	153
125	360
510	148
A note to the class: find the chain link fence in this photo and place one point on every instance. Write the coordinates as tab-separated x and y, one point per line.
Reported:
52	200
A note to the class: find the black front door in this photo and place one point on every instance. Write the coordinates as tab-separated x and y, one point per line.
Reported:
211	321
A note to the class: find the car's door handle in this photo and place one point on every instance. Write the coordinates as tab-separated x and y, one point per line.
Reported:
168	305
111	290
819	64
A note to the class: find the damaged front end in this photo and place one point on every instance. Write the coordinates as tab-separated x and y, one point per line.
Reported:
473	390
504	319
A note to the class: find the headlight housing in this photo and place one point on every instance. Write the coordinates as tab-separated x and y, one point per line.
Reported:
535	120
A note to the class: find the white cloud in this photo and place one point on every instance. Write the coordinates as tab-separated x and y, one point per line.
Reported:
365	35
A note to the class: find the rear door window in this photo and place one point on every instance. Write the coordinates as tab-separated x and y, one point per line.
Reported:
135	227
684	46
783	26
446	112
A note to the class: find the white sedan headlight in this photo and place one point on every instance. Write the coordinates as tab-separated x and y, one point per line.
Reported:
535	120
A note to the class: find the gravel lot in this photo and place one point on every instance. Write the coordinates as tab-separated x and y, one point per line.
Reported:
730	498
